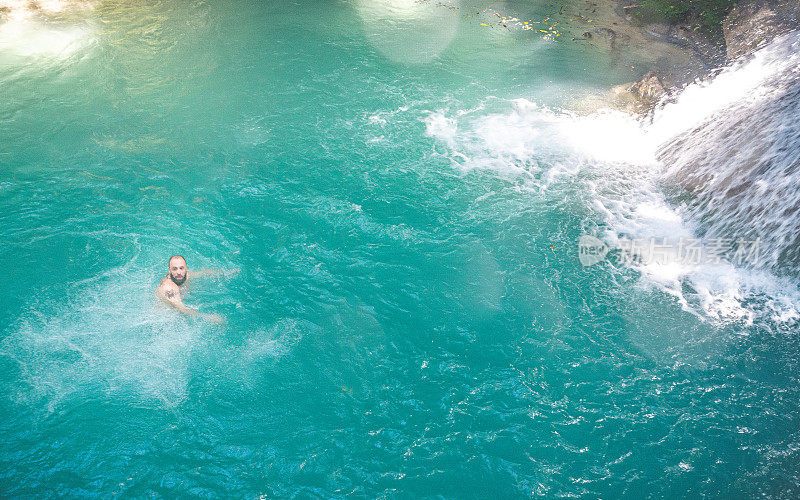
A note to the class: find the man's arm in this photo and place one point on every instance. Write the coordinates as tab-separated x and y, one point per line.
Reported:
201	272
211	272
172	298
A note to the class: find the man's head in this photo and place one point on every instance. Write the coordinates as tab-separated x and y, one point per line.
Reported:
177	269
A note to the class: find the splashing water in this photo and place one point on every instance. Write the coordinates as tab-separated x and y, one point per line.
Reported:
114	339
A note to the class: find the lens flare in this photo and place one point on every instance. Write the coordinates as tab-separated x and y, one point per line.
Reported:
27	31
409	31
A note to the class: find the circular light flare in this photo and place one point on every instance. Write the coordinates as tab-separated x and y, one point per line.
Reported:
409	31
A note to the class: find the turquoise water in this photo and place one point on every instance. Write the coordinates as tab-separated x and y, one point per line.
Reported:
411	317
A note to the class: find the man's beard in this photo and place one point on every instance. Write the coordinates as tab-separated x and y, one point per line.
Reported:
176	281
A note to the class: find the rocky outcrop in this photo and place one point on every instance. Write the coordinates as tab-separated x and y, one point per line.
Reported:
638	96
747	27
752	24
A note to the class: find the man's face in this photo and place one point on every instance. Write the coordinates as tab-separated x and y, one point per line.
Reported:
177	270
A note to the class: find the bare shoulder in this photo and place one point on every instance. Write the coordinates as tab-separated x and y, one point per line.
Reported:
167	287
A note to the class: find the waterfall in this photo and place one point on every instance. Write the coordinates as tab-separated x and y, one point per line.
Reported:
740	159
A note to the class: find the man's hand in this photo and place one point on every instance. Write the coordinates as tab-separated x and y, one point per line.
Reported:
173	299
214	318
202	272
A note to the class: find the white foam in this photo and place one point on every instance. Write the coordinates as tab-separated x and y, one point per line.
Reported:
382	117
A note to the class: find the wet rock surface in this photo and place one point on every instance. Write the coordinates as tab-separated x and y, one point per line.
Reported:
747	27
750	25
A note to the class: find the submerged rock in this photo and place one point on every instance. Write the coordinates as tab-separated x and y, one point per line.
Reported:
713	54
687	37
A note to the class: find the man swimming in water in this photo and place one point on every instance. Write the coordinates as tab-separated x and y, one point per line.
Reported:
172	287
